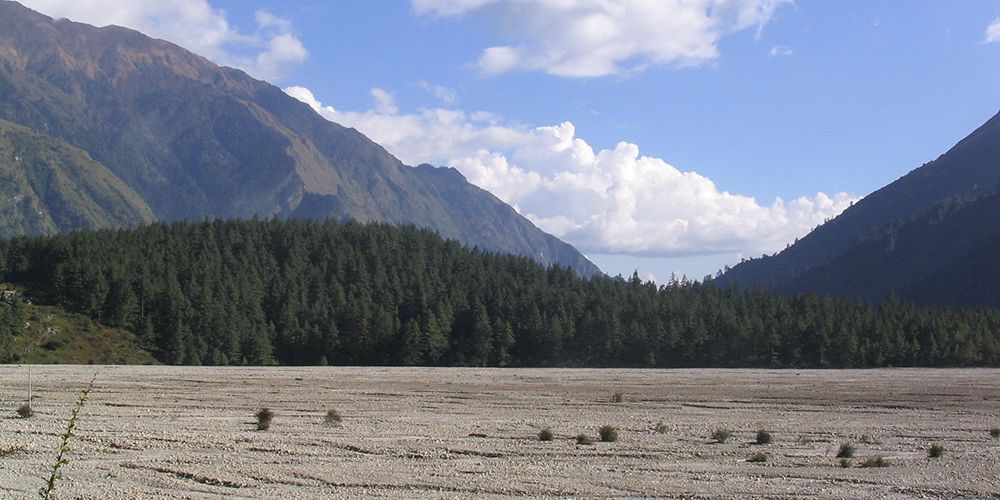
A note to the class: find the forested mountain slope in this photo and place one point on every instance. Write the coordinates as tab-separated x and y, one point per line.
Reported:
195	140
969	170
302	292
48	186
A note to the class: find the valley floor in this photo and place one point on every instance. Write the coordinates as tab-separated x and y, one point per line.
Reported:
169	432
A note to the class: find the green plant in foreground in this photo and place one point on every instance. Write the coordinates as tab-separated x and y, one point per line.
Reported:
608	434
584	439
763	437
846	450
546	435
264	418
936	450
759	457
25	411
846	463
332	417
875	461
661	428
995	433
618	397
45	492
721	435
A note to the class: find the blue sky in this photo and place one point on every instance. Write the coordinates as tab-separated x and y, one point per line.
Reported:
656	140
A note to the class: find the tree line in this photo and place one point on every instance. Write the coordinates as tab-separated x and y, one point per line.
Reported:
304	292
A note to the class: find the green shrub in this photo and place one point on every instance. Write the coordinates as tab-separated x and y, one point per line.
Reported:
25	411
995	432
618	397
264	418
661	428
846	450
846	463
875	461
608	434
332	417
763	437
936	450
584	439
759	457
720	435
546	435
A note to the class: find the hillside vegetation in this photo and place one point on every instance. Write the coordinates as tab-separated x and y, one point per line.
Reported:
299	292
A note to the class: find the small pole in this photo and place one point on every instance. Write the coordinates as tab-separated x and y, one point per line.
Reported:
29	387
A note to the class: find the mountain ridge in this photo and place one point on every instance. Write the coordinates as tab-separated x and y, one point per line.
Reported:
196	140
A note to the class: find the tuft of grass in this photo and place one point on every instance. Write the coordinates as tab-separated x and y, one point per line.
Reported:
875	461
332	417
721	435
995	433
618	397
45	492
584	439
936	450
25	411
846	450
661	428
264	418
546	435
608	433
763	437
759	457
846	463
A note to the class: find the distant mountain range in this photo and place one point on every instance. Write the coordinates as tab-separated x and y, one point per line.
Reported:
114	128
932	236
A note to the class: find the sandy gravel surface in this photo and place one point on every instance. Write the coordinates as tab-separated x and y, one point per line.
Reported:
163	432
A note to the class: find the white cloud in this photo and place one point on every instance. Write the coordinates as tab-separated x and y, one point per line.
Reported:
195	25
605	201
993	32
591	38
444	94
385	102
781	50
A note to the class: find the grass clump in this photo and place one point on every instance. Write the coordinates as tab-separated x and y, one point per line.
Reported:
936	450
995	433
546	435
846	450
661	428
618	397
608	434
25	411
763	437
875	461
846	463
332	417
721	435
264	418
584	439
759	457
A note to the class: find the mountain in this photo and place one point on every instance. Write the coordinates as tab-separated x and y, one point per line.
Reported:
48	186
916	237
196	140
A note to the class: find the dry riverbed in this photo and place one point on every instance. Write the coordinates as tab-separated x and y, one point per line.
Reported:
167	432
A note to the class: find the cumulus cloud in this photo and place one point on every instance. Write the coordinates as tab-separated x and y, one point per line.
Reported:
195	25
612	200
993	32
592	38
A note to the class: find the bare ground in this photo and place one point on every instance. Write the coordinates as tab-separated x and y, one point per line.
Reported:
163	432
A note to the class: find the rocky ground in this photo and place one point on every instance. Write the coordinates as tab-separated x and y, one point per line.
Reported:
168	432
